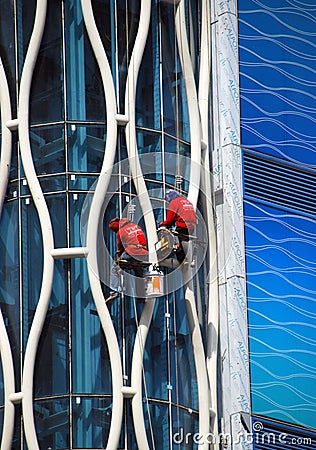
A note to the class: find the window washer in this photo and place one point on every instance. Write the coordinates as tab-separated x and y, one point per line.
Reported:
131	250
181	214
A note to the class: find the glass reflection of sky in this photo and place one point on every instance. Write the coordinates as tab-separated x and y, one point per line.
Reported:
281	268
277	43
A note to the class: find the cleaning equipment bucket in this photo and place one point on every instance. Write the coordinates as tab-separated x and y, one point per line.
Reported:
154	283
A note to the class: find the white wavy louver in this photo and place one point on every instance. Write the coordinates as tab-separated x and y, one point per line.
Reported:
45	223
194	186
5	349
93	225
150	223
213	297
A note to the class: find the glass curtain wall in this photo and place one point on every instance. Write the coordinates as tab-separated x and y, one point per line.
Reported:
67	129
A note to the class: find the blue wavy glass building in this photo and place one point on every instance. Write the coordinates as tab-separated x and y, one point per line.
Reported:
106	104
277	76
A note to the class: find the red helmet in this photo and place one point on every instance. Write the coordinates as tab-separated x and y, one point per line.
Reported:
114	224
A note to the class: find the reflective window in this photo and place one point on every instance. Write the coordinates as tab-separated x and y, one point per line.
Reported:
52	423
7	49
155	357
91	420
47	83
57	208
277	78
183	376
51	366
32	262
90	359
148	107
281	268
185	423
127	26
104	12
86	146
85	97
157	423
175	109
53	184
10	277
175	164
48	149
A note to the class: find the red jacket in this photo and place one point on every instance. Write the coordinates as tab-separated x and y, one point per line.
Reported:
181	213
131	238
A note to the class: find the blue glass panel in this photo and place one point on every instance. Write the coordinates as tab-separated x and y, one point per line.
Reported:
185	424
156	355
86	145
175	164
48	184
175	108
281	267
1	394
47	83
90	360
183	375
149	146
91	422
277	78
53	184
77	182
51	366
10	278
57	209
14	157
148	104
104	17
32	256
25	19
156	417
48	149
7	48
77	223
52	423
12	190
127	24
85	97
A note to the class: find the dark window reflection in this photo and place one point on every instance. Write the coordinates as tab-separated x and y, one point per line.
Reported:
86	146
176	119
155	360
51	362
185	424
91	422
52	423
7	49
32	262
10	278
90	358
47	86
48	149
127	23
85	97
148	107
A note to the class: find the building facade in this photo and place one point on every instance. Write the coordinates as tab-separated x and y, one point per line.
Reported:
277	68
106	104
